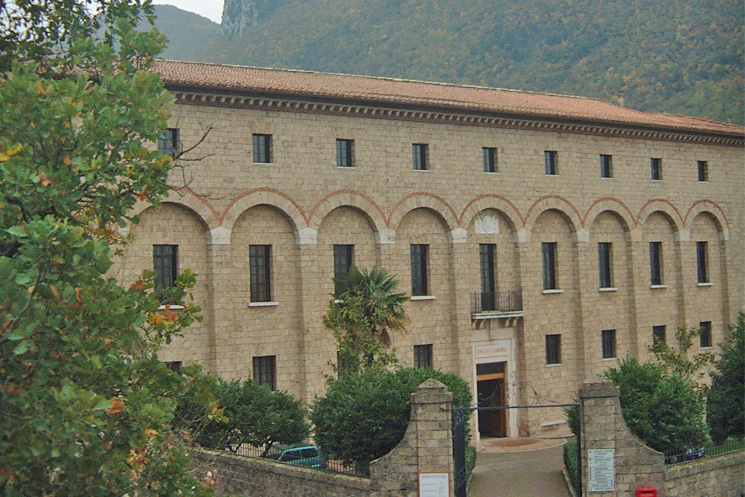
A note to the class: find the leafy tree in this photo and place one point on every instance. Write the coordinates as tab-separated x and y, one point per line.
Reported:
364	414
662	410
726	400
676	362
366	308
86	405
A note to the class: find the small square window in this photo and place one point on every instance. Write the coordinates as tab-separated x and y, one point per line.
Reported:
490	160
419	255
606	166
265	371
609	344
605	264
658	335
553	349
551	162
548	250
262	149
260	269
420	158
168	142
702	261
344	153
705	336
703	171
423	356
174	366
655	263
165	265
656	165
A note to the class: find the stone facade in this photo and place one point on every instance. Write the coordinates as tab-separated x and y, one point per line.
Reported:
302	204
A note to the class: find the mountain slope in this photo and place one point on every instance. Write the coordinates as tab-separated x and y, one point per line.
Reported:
188	34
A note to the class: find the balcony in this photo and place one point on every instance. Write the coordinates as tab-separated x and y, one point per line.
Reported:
494	305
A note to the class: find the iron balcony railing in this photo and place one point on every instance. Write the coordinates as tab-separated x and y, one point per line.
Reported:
497	302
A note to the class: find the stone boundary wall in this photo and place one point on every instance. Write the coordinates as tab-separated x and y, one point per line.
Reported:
636	465
427	447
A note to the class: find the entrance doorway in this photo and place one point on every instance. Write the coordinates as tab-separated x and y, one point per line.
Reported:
491	392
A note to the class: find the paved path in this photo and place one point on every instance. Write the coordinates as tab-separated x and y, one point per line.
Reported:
519	468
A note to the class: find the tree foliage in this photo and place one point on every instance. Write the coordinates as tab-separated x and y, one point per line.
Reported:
677	362
366	308
86	405
364	414
726	399
662	410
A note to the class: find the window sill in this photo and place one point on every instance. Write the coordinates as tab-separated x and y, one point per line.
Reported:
707	347
607	289
422	297
609	358
491	172
704	285
263	304
657	287
554	365
703	182
607	177
263	163
553	291
171	307
656	181
422	170
345	167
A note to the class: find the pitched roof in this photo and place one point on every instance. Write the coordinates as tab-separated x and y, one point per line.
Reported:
376	90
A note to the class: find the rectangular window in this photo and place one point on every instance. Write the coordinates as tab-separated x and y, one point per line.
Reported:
168	142
606	166
655	263
343	260
260	267
487	257
343	364
553	349
490	160
549	265
174	366
702	259
419	151
705	336
609	344
656	165
419	270
552	166
658	335
344	153
165	265
265	371
703	171
262	149
423	356
605	264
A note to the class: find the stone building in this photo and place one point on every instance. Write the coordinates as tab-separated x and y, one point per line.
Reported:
541	237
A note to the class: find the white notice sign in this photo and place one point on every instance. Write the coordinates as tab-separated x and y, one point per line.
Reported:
601	470
434	485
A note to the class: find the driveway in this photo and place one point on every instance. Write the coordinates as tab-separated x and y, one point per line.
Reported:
519	467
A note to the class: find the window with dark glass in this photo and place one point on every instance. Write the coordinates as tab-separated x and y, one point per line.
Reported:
168	142
655	263
174	365
548	250
605	265
656	165
265	371
705	336
419	151
262	149
487	258
609	344
703	171
490	160
165	265
343	260
343	364
606	166
553	349
658	335
702	256
344	153
260	268
423	356
551	162
419	270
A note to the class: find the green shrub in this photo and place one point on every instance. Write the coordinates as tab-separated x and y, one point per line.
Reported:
470	461
726	399
571	463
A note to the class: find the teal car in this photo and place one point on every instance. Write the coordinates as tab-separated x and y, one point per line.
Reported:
304	455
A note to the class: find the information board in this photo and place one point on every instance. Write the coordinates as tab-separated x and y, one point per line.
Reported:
601	470
434	485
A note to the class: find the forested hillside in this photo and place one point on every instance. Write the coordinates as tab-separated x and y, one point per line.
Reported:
188	34
673	56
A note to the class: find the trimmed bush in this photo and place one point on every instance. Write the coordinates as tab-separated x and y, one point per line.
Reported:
571	463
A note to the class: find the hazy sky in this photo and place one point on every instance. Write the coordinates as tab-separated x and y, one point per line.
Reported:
211	9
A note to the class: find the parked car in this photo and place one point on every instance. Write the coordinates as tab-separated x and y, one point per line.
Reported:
305	455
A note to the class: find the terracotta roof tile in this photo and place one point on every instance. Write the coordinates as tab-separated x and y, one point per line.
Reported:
403	92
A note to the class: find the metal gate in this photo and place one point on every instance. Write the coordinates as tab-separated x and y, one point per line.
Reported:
460	418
